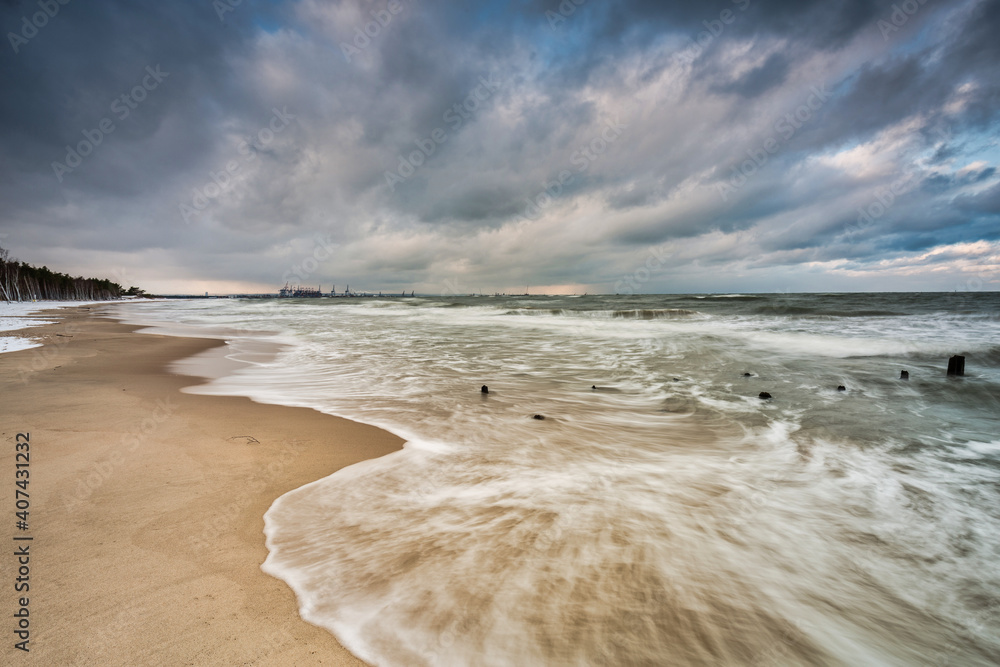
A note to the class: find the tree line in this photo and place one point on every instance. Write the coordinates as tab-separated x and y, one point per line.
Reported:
20	281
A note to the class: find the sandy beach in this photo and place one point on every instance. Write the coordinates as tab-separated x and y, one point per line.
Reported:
147	504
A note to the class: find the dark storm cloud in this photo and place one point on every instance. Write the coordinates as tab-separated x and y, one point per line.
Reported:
394	153
986	202
824	24
89	54
761	79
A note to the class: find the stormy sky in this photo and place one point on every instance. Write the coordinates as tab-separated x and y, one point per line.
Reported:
636	147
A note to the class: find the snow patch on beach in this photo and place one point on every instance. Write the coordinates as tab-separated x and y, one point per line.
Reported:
13	344
14	316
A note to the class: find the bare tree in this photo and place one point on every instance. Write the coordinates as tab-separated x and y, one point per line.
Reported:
5	273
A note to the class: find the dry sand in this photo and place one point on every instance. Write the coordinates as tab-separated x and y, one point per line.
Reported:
147	504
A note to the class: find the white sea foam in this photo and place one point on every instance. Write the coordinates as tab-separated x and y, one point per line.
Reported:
665	516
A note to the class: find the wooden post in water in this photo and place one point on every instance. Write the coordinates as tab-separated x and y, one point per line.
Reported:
956	365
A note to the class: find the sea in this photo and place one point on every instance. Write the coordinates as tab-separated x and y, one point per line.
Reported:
622	495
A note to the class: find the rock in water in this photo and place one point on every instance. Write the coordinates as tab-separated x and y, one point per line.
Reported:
764	395
748	375
841	388
539	417
485	389
904	375
956	365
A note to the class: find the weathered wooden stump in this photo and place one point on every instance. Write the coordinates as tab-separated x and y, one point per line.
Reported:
956	365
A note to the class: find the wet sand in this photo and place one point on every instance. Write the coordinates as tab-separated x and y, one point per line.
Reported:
147	503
